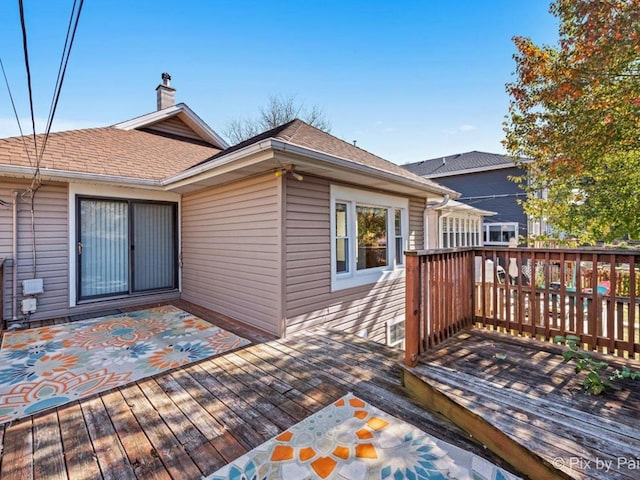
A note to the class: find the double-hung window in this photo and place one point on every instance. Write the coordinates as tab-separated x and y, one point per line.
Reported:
369	234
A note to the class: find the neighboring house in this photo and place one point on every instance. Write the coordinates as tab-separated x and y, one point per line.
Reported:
291	229
483	181
452	224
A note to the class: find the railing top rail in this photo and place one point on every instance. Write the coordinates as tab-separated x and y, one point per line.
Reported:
582	250
587	250
437	251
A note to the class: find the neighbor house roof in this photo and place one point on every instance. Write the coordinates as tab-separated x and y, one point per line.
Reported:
108	151
311	139
462	163
459	207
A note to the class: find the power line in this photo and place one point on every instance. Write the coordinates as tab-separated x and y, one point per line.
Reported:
488	197
15	112
26	63
62	69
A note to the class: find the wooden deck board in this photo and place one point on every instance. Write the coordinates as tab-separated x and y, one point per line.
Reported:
189	422
81	462
110	453
48	454
17	451
168	449
141	454
528	398
197	446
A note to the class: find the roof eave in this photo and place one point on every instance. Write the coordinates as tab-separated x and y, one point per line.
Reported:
365	169
69	176
204	171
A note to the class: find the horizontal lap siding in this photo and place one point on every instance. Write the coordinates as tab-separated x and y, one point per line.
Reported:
174	126
309	300
231	250
52	256
416	223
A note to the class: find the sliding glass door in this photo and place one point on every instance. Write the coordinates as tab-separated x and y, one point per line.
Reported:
125	246
154	246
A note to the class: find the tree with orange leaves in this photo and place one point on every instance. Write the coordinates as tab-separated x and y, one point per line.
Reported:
575	112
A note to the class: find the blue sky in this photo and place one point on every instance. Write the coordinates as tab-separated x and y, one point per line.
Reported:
408	80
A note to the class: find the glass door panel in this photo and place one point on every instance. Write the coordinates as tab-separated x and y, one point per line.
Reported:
154	246
103	248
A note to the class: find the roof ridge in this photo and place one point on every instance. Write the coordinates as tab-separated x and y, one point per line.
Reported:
298	125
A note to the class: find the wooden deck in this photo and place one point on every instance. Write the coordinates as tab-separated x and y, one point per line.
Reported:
189	422
527	406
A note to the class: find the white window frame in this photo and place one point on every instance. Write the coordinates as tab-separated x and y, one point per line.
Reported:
397	343
352	197
503	226
460	231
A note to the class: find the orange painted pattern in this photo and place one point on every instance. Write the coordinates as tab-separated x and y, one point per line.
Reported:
348	440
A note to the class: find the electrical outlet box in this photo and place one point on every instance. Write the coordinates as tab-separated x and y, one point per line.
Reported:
34	286
29	305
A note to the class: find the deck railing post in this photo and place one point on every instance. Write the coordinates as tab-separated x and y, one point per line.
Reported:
412	309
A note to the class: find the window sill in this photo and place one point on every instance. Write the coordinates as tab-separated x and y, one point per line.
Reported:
365	278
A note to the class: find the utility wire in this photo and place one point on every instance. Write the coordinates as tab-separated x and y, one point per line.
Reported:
66	52
62	69
26	63
15	112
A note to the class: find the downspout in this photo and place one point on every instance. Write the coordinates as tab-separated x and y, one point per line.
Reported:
425	215
14	254
444	201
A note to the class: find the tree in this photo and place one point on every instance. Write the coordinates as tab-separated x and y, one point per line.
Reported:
277	111
575	112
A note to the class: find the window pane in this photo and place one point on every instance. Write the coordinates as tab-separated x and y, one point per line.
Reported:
399	239
341	219
396	333
399	251
494	233
372	237
342	255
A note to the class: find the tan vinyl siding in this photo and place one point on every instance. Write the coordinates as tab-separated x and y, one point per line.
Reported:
416	223
52	257
174	126
231	250
309	300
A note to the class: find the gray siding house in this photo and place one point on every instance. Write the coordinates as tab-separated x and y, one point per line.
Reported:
286	231
483	182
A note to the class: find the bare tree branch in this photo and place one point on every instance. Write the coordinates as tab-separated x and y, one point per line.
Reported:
277	111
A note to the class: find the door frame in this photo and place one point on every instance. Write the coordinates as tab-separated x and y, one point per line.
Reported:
131	267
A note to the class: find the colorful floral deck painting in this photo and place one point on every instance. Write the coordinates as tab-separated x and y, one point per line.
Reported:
352	440
47	367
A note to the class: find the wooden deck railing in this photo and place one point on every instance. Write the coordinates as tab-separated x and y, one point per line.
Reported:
439	297
593	294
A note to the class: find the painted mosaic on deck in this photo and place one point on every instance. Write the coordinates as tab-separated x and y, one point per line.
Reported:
50	366
352	440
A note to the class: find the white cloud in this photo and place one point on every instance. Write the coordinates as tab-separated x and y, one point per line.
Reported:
467	128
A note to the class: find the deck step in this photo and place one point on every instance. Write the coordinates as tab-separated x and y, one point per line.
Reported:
539	437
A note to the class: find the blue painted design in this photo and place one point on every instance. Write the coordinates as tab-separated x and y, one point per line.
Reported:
46	403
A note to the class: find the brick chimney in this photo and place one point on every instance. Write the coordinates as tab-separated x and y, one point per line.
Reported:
166	93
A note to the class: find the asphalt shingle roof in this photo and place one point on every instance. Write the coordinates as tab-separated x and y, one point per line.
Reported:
304	135
459	162
110	151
